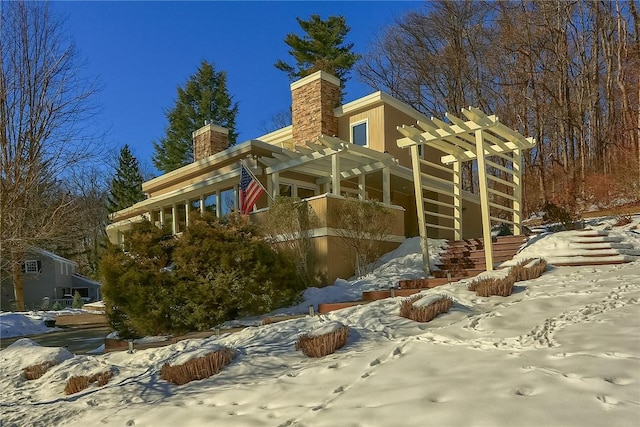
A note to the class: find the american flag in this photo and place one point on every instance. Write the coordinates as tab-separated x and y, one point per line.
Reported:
250	190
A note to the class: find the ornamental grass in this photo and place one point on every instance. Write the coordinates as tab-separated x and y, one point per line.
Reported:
34	372
322	345
426	313
79	383
199	368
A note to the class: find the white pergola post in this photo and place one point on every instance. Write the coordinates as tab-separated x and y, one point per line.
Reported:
174	219
386	186
335	174
517	192
202	204
417	184
361	187
187	212
273	186
236	197
161	217
484	200
218	204
457	200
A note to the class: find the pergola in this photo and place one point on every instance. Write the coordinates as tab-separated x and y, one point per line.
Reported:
481	138
330	160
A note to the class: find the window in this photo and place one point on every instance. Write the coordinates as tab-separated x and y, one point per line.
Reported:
286	190
227	201
305	193
32	267
359	134
211	203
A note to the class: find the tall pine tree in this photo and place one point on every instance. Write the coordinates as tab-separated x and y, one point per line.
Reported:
321	48
126	185
204	97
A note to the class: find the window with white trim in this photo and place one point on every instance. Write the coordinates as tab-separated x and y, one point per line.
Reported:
360	134
32	266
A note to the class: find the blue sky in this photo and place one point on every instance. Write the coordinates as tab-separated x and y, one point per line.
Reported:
142	51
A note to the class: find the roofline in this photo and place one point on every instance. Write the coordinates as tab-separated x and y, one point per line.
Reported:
374	98
232	151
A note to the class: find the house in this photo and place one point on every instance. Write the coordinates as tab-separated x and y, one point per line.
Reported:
49	279
329	152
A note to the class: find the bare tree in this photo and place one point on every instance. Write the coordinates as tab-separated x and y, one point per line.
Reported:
44	105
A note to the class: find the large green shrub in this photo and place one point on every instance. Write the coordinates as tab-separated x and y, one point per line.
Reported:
232	272
216	271
142	296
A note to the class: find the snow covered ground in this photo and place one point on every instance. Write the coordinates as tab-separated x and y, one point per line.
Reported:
563	350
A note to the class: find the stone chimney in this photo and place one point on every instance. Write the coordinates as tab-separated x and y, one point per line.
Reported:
313	99
208	140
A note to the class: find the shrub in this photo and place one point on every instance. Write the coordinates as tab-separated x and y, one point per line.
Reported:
141	295
427	312
623	220
493	286
553	214
362	226
217	270
79	383
77	300
321	345
230	271
288	226
198	369
34	372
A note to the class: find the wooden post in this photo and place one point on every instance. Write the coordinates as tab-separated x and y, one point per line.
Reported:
457	200
517	192
361	187
335	174
417	185
174	219
386	186
484	200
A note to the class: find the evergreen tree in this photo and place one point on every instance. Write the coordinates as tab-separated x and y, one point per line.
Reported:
321	48
126	185
204	97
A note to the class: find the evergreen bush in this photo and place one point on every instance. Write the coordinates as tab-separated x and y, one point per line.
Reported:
217	270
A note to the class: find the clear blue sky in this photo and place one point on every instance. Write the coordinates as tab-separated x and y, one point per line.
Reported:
142	51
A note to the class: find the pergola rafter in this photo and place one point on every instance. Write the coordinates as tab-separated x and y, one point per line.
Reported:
478	138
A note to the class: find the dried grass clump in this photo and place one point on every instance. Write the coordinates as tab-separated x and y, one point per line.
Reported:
321	345
79	383
426	313
623	220
493	286
528	269
34	372
199	368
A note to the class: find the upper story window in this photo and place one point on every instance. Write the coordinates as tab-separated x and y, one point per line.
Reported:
360	134
32	267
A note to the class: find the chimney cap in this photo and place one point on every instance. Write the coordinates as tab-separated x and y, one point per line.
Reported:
210	127
318	75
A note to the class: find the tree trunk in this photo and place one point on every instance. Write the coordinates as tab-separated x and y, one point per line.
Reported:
17	260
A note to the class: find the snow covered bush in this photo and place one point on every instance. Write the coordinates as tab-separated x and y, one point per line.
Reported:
324	340
198	368
424	309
